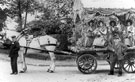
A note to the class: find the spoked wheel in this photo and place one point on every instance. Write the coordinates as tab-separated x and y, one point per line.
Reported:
129	65
87	63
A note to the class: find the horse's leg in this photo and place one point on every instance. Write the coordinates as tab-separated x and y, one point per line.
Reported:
22	55
52	64
52	57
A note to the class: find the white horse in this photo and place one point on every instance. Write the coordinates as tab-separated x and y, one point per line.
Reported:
42	42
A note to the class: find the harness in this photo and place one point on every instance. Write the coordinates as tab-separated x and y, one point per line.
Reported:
49	44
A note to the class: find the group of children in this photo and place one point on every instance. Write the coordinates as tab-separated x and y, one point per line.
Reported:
117	37
98	35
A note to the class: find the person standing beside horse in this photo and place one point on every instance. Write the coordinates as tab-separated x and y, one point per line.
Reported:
13	54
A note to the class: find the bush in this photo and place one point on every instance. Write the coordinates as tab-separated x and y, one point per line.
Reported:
53	26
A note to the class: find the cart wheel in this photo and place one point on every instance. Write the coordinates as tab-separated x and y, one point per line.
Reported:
129	64
87	63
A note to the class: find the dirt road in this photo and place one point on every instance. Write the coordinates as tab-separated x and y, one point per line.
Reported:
62	74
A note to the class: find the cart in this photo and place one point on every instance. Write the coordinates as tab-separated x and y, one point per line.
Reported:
86	58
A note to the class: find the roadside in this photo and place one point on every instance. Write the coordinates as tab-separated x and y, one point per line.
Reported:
62	74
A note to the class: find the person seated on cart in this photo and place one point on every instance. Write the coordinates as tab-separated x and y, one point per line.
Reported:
100	32
130	32
111	30
117	56
89	36
112	26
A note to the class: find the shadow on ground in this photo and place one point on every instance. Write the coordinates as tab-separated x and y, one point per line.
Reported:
41	55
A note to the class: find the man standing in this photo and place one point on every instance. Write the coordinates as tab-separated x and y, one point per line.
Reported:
13	54
118	55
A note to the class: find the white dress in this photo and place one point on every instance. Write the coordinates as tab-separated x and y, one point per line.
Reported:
88	37
131	36
130	30
101	32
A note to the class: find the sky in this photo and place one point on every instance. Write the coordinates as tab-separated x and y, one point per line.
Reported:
109	3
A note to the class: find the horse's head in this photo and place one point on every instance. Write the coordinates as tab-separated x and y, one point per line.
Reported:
8	33
29	37
25	31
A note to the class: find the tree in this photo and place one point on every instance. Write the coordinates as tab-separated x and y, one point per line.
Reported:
19	7
3	18
61	8
54	11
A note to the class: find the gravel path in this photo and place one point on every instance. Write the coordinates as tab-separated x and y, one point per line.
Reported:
67	72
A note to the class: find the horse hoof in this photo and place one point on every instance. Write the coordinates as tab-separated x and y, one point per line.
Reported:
48	70
22	71
51	71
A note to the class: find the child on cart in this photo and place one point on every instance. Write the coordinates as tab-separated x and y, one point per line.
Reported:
129	40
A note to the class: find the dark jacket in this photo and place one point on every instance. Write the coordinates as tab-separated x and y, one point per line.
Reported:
120	48
15	47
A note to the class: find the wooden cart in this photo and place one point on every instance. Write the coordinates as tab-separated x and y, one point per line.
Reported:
87	58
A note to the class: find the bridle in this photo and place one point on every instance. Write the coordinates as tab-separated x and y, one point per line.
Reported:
25	34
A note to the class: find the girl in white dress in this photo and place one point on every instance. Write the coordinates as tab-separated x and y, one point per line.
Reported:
100	33
130	32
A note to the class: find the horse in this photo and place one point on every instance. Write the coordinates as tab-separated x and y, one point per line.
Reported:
41	42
